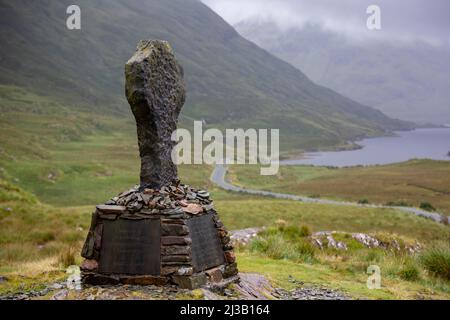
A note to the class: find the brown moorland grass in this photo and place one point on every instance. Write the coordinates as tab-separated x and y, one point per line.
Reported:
412	182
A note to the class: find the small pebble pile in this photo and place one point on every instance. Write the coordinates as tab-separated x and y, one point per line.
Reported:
163	201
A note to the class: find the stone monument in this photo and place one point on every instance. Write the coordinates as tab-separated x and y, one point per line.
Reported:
162	231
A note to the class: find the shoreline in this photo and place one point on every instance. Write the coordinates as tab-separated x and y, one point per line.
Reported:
290	159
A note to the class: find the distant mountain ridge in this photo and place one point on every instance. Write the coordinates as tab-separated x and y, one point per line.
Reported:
231	82
409	81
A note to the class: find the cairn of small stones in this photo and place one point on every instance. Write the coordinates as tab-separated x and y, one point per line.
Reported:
172	205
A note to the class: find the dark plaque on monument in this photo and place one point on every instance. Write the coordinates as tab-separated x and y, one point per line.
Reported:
206	247
131	247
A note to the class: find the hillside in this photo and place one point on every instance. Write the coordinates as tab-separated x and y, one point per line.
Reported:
231	81
404	80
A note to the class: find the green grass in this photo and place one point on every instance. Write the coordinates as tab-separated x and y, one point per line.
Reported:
294	255
333	276
416	182
56	163
33	231
68	157
437	261
242	212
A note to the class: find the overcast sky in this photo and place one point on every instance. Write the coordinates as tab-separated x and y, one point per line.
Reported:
402	20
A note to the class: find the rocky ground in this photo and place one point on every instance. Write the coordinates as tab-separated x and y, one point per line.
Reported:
252	286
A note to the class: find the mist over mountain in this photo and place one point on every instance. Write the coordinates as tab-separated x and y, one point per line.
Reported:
401	69
406	81
231	82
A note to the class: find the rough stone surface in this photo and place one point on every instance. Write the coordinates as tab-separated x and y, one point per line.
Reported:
89	265
324	239
230	257
215	274
100	279
190	282
156	93
168	270
244	236
176	258
175	241
98	236
169	202
254	286
174	230
145	280
112	209
230	270
176	250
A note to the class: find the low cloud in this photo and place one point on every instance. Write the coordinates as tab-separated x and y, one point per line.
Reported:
402	20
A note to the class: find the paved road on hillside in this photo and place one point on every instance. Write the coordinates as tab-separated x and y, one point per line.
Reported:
219	178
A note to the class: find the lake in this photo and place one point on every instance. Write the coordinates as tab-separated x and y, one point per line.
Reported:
430	143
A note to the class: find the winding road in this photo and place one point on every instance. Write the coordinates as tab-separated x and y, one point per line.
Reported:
218	177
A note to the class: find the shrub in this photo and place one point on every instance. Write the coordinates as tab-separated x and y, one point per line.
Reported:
374	255
304	231
284	244
281	224
409	272
398	204
291	233
275	247
306	251
437	261
427	206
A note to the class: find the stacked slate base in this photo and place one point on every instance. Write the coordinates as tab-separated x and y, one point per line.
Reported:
158	237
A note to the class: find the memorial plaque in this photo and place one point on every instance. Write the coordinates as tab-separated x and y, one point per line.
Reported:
131	247
206	247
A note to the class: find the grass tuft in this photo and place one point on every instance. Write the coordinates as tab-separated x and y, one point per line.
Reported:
410	271
67	257
427	206
285	243
437	261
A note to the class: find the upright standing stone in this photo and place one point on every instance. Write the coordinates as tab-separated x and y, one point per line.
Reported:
163	232
156	93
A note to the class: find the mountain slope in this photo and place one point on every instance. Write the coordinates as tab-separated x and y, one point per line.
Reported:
404	80
231	81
